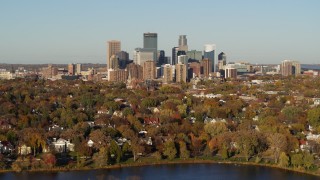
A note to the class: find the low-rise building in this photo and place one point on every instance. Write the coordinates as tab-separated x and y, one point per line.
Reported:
62	145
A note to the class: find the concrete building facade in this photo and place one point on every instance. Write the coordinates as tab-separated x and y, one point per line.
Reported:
289	67
149	70
181	73
114	47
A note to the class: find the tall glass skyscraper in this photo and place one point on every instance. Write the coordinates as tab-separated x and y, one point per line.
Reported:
150	42
222	61
161	58
174	57
210	53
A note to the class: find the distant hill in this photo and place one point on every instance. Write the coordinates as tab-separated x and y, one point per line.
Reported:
37	67
310	66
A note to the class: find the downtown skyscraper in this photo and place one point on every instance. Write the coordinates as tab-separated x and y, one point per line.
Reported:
114	47
183	43
150	43
210	53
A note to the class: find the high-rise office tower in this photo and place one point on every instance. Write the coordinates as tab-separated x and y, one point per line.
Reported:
174	57
194	68
183	44
222	57
150	43
123	59
222	60
210	52
150	40
167	60
194	55
289	67
141	55
114	62
114	47
149	70
161	58
205	68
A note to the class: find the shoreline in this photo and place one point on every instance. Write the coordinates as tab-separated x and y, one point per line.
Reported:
163	162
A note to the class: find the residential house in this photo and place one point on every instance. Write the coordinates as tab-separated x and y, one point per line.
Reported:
55	127
6	147
62	145
120	141
316	101
214	120
91	123
151	120
90	143
155	110
146	140
103	111
118	114
304	146
313	137
24	150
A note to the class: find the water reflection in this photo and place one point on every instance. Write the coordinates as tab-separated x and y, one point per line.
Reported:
176	172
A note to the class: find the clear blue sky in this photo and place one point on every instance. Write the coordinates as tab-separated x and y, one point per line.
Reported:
71	31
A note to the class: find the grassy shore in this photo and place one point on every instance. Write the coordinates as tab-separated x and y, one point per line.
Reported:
150	162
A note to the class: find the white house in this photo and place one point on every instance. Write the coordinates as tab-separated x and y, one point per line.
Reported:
62	145
90	143
316	101
24	150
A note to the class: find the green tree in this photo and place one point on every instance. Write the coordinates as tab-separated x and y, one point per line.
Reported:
115	151
182	110
183	150
283	160
314	117
101	158
247	143
308	160
224	153
149	102
127	111
297	160
215	128
125	150
170	149
111	106
157	155
291	113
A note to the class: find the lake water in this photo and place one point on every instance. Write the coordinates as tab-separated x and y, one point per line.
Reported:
170	172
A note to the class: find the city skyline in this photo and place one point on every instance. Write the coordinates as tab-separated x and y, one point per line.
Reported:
77	31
